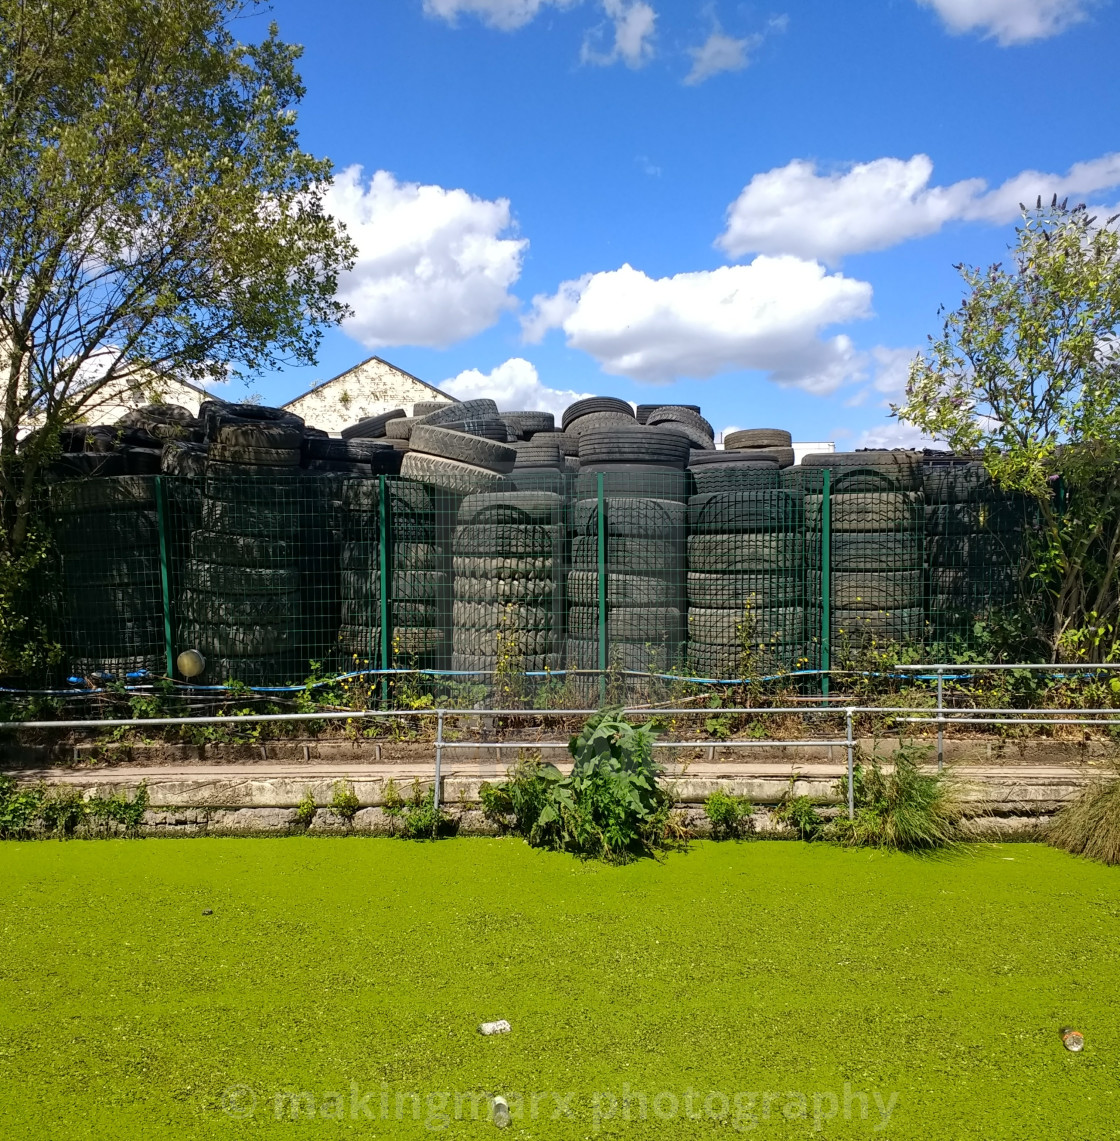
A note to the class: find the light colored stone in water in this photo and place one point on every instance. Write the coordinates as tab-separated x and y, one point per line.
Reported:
499	1027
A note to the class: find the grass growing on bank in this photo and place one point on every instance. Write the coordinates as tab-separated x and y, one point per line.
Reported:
778	969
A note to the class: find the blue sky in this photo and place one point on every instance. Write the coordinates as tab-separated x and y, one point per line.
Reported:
752	207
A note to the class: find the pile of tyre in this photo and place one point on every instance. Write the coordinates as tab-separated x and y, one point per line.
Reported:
630	523
241	605
976	543
875	544
747	566
110	610
510	561
413	557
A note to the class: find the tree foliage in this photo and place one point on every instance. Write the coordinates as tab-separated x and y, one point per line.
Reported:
1026	374
157	215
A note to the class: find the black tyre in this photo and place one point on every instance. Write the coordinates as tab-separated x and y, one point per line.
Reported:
452	475
503	540
736	591
635	657
236	580
488	664
492	571
202	606
642	481
869	511
855	551
633	445
401	429
188	460
736	477
748	627
876	590
511	507
860	627
755	553
624	590
957	482
254	457
734	513
633	518
372	427
267	435
644	410
500	591
240	550
544	454
527	424
426	407
248	640
594	404
757	438
628	556
902	468
655	624
460	410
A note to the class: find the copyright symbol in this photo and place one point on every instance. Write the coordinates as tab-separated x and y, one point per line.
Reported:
239	1102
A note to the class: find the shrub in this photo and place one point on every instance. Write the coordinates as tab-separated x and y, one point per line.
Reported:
800	814
1090	825
904	809
19	807
120	809
610	806
305	810
344	802
63	810
732	817
418	815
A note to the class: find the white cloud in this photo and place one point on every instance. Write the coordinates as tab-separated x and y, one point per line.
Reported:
1009	21
870	206
892	369
432	266
767	316
894	435
514	386
633	23
719	52
504	14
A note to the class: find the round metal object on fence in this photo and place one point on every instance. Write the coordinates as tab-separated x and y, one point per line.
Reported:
190	663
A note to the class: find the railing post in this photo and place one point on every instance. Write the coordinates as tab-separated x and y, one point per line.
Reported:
439	758
940	719
602	563
826	580
851	768
383	567
165	584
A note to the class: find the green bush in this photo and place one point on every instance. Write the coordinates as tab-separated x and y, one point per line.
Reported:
344	802
1090	825
119	809
732	817
800	814
904	809
417	815
610	806
19	807
63	810
305	810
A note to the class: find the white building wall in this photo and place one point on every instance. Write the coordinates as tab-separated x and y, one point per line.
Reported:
368	389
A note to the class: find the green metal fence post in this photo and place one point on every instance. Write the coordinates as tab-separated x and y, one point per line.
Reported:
602	551
826	579
385	564
165	582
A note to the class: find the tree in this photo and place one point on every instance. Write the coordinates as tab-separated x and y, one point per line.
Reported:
157	216
1026	373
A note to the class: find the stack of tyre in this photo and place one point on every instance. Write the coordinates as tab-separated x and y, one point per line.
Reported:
746	578
510	562
760	443
460	457
877	523
416	563
641	470
241	605
111	620
976	546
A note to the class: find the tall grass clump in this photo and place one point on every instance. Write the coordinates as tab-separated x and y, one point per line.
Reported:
1090	825
903	809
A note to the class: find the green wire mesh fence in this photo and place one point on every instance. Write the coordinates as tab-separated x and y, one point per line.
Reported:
720	572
